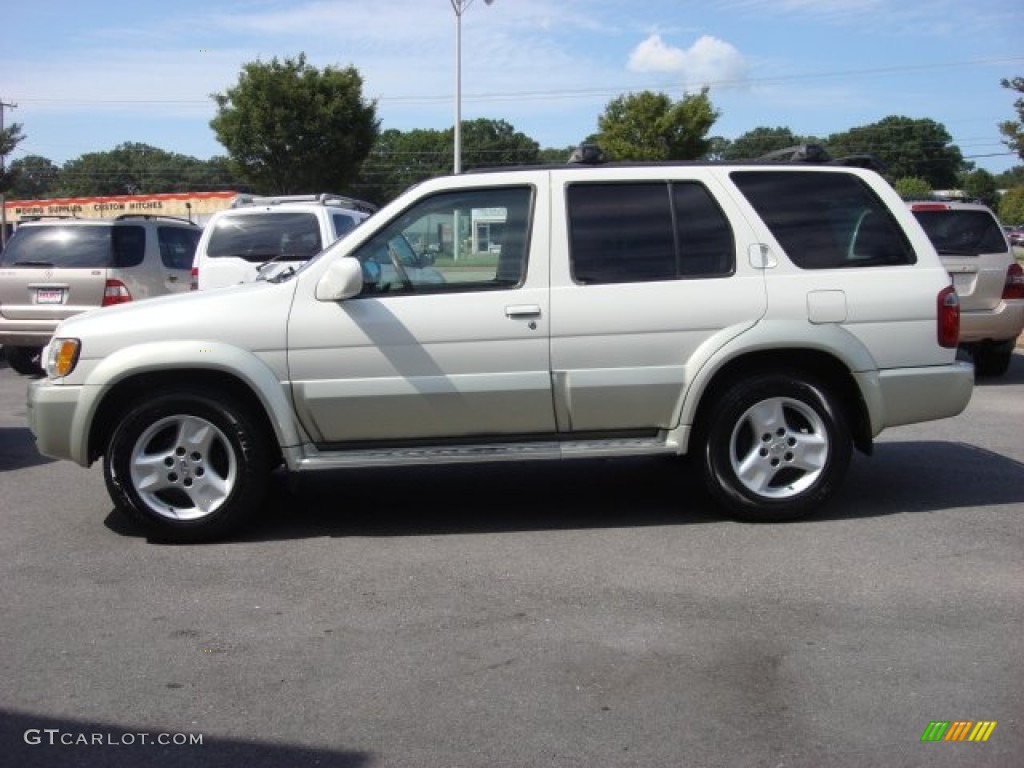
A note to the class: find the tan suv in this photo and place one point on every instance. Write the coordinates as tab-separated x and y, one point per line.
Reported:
54	268
974	249
764	318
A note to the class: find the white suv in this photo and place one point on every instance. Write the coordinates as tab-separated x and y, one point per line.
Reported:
259	236
765	318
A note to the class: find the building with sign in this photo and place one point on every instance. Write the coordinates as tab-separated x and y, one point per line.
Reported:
194	206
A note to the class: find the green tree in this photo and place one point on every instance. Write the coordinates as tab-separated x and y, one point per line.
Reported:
1013	130
289	127
649	126
907	147
400	159
10	137
33	177
1014	177
910	188
133	168
491	143
1011	207
981	185
760	141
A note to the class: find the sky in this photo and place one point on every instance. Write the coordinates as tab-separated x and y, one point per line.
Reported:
87	76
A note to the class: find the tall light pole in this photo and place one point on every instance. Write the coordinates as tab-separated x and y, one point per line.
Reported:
459	6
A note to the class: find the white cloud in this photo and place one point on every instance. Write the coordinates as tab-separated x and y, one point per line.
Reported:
708	61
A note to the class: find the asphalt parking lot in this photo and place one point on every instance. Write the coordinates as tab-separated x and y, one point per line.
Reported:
582	614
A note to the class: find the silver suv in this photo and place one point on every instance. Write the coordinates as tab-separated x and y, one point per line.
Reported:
976	253
54	268
764	318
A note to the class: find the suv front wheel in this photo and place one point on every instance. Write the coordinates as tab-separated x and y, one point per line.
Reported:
777	448
25	360
188	466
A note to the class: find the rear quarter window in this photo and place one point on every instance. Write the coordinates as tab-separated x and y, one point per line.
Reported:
343	224
128	243
826	220
177	246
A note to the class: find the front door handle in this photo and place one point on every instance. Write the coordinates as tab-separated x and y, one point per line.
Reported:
522	310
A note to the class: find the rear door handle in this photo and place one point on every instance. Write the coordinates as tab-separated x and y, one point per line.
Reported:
522	310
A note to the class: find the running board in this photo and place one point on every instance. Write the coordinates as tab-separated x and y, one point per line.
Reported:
310	458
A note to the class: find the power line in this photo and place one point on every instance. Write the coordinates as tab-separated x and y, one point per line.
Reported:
585	92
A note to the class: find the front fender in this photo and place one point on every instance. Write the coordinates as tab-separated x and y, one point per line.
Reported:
171	356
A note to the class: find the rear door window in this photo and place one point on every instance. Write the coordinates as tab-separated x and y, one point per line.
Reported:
826	220
641	232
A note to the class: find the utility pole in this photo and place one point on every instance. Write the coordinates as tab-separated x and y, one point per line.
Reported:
3	207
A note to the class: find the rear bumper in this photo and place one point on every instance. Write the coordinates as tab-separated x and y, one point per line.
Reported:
911	395
26	333
1003	323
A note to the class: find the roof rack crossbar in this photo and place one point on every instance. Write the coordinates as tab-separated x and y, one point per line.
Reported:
815	153
122	216
324	198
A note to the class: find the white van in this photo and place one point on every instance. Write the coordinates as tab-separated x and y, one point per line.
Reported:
264	235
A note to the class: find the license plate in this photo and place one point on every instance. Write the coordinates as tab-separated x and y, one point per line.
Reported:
49	296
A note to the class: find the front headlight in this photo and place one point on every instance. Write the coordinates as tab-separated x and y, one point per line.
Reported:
62	357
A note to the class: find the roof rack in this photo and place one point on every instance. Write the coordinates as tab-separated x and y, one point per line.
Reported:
40	216
815	153
324	198
122	216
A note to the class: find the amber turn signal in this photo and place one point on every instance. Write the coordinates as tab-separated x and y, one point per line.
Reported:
63	357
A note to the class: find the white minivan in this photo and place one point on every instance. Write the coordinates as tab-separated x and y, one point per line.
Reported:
264	235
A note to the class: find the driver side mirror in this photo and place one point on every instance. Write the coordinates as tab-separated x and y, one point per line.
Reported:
342	280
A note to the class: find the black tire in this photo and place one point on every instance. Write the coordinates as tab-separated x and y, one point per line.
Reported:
25	360
992	358
776	448
188	466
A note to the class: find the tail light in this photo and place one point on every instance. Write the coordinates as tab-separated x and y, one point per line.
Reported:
115	292
1014	287
948	317
193	284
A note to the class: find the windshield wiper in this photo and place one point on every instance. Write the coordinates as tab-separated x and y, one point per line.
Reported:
32	264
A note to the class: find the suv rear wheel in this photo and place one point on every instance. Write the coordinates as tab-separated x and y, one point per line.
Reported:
187	466
776	448
992	358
